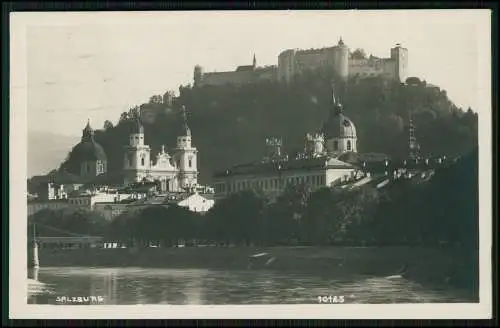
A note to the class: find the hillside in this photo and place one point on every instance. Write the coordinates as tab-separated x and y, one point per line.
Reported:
229	124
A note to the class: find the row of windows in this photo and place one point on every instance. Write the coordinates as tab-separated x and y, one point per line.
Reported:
270	184
143	161
79	201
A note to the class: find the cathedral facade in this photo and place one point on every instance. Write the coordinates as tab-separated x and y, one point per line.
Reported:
176	172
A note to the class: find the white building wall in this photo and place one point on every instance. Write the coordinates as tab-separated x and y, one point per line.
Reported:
334	176
273	184
197	203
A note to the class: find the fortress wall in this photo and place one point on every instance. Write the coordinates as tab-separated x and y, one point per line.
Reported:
221	78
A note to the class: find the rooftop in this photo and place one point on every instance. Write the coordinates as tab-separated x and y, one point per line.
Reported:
290	165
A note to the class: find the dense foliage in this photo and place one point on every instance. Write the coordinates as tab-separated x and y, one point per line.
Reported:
445	209
230	123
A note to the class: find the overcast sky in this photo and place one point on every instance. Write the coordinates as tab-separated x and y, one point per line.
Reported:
97	65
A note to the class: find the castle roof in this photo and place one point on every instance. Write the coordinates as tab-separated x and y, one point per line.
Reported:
271	168
244	68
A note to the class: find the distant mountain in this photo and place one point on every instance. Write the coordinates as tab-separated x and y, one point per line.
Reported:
46	150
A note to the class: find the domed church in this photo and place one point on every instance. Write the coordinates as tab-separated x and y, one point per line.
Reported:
339	131
90	155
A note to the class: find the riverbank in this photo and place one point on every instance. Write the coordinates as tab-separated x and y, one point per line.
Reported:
444	265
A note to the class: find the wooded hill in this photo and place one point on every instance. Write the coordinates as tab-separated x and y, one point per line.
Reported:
230	123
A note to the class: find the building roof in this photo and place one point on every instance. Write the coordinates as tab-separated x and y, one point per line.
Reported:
107	179
338	125
62	177
358	158
244	68
307	164
89	151
47	201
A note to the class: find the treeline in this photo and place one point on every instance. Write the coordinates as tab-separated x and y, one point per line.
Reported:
443	210
230	123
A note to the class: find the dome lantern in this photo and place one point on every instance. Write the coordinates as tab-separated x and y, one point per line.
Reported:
88	132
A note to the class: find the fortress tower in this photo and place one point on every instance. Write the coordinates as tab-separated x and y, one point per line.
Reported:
341	59
198	75
400	56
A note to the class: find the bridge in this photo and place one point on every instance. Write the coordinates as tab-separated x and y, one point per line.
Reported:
65	239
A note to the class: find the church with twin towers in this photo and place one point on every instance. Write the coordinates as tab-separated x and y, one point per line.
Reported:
175	172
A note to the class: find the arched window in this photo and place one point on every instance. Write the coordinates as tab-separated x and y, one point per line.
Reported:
335	145
142	160
190	162
348	144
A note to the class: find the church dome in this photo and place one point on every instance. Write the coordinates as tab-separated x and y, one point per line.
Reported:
88	149
339	125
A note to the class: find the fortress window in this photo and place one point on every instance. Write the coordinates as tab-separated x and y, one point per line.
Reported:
348	144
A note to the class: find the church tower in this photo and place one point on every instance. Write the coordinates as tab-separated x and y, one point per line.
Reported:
137	162
254	63
90	155
185	157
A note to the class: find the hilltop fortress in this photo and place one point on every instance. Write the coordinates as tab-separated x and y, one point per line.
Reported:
293	62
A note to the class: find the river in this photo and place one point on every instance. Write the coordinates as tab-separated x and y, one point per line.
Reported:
135	285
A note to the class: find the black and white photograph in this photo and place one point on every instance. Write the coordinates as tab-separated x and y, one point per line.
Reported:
336	164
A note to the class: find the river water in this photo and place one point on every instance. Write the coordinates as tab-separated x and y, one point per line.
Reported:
113	286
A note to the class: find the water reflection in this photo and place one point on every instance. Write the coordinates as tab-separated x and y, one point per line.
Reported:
197	286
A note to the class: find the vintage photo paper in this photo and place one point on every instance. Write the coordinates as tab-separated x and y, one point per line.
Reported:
251	164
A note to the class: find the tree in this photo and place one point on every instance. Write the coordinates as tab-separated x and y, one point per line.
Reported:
236	218
285	216
358	54
123	117
108	125
377	107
